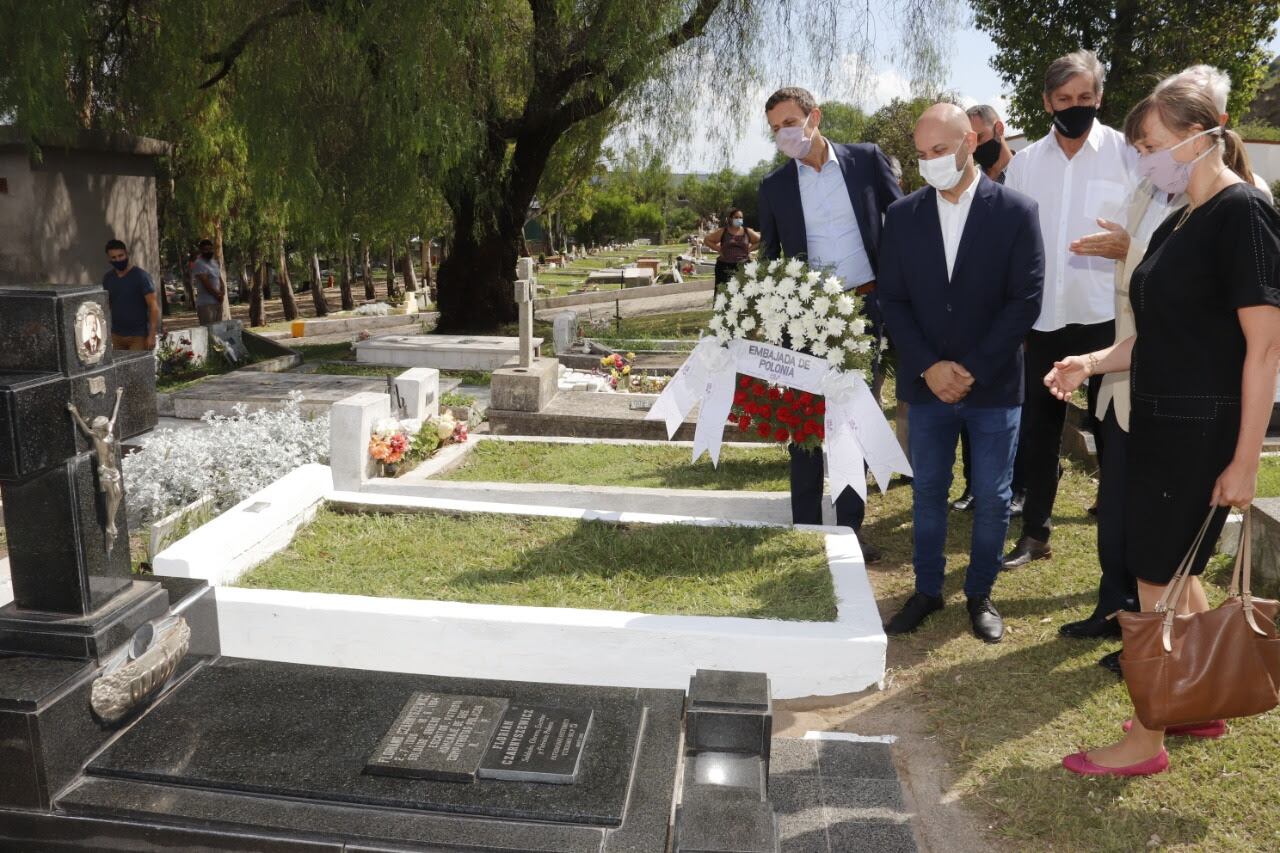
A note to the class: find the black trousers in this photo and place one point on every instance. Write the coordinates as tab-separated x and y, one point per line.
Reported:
1043	417
1117	589
806	492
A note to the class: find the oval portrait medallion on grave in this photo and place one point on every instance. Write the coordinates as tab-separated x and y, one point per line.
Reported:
91	333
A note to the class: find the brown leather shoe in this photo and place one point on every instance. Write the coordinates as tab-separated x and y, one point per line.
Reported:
1026	551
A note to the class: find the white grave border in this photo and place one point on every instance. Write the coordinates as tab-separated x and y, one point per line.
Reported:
553	644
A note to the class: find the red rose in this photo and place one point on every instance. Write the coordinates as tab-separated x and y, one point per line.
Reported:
790	396
781	435
762	429
810	427
740	398
785	414
809	410
744	381
757	389
749	408
806	398
775	394
822	432
744	422
764	411
821	408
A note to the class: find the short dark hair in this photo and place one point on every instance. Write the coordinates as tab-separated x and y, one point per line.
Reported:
204	243
734	210
985	112
803	99
116	244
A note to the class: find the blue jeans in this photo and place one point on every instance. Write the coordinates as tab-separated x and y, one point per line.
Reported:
993	438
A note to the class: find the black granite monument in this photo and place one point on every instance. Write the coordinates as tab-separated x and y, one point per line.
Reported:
122	728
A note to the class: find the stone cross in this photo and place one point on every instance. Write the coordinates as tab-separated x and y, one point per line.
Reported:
526	284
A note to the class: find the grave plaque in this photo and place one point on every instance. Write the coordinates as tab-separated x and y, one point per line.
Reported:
537	744
438	736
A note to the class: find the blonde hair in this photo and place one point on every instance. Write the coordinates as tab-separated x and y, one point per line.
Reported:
1183	103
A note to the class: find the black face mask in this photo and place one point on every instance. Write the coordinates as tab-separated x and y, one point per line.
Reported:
1074	122
987	153
208	256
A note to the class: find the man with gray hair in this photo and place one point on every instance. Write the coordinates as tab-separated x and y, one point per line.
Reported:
1218	84
993	153
1079	173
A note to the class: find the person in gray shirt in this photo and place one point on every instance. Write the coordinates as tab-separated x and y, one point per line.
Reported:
209	285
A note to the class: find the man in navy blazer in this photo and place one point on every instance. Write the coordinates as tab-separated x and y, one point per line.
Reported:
824	205
961	275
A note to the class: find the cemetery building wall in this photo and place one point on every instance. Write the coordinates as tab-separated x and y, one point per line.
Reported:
62	207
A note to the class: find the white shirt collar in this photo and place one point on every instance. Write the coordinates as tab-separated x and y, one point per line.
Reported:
967	195
831	158
1093	141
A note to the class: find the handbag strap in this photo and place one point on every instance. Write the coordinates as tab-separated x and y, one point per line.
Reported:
1241	574
1168	603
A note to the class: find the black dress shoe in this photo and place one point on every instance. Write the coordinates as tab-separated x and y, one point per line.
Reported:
1015	504
1091	629
964	503
1111	663
871	554
915	611
987	624
1026	551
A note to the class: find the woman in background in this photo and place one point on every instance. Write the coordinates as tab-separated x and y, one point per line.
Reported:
734	243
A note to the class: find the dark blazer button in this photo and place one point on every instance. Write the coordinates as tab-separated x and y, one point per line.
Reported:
948	307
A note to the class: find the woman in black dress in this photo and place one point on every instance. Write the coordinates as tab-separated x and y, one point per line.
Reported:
1202	366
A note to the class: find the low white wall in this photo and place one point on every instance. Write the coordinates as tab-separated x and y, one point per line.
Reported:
560	645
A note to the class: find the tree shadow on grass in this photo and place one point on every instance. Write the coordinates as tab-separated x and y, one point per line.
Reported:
589	558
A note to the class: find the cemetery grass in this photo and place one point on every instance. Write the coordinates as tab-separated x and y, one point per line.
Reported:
1269	477
556	562
645	466
1006	714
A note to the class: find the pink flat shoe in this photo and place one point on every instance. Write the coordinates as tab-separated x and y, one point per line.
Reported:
1211	730
1080	763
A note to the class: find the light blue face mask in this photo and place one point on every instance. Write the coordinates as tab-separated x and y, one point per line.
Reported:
736	223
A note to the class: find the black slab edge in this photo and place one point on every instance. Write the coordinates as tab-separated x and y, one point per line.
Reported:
725	688
86	637
37	325
197	602
303	731
709	823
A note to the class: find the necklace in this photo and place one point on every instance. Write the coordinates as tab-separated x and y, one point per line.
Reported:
1183	218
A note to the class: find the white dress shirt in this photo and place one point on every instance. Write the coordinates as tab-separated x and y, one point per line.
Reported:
952	218
1073	194
834	238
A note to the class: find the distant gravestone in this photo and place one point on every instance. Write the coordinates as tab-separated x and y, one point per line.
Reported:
227	338
564	328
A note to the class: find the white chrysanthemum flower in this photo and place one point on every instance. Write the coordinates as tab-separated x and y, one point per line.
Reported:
836	326
794	266
864	346
751	288
811	327
822	306
738	302
845	304
795	331
831	286
734	286
794	307
767	284
773	331
747	324
835	355
721	301
750	268
786	287
813	276
773	267
858	326
805	292
818	348
722	336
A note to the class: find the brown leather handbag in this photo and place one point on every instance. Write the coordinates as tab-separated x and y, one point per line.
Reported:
1195	667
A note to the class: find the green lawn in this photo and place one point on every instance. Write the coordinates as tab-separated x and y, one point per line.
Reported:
344	368
213	366
341	351
685	324
554	562
650	466
1269	477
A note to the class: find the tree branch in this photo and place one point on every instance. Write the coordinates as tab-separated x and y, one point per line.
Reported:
228	55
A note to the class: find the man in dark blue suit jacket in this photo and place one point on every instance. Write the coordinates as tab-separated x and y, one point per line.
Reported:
824	205
961	275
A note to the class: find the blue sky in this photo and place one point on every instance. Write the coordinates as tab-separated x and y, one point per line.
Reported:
971	76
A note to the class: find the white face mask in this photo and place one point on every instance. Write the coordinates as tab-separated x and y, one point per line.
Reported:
942	173
792	142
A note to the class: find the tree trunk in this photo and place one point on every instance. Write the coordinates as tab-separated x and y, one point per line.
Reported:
344	284
188	282
474	281
428	280
391	271
257	314
410	277
317	287
366	273
165	310
222	266
286	286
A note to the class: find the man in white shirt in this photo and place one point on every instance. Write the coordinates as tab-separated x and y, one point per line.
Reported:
961	270
1082	171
